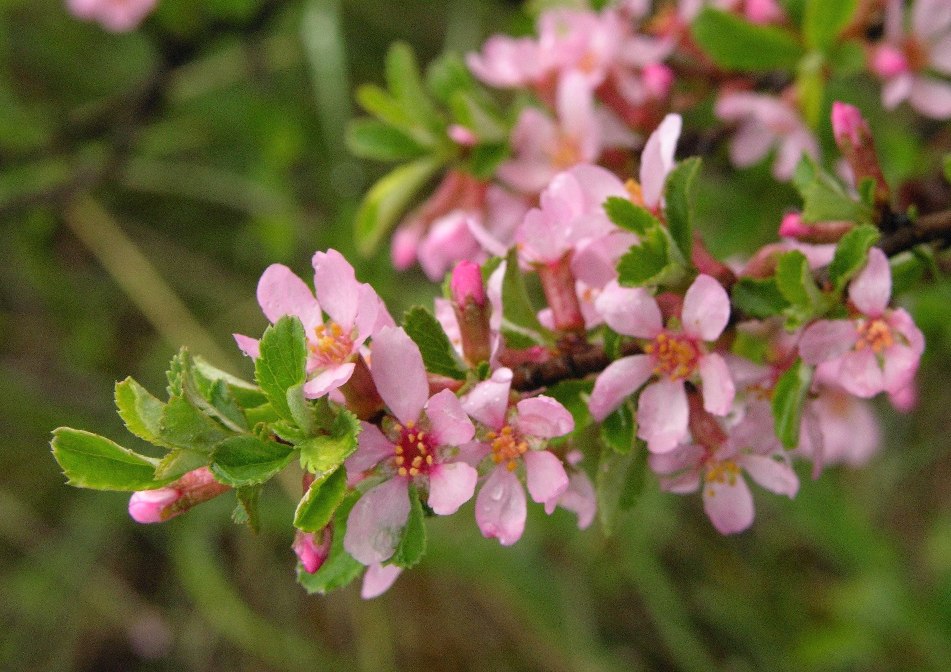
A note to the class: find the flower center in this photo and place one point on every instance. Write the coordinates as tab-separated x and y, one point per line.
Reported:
331	344
635	193
566	154
507	446
413	452
875	335
675	356
726	471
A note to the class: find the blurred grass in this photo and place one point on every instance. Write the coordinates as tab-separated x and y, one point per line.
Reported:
238	164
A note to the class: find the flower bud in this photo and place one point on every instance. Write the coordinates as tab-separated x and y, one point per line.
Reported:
658	79
854	138
466	284
156	506
462	135
889	61
792	226
472	311
312	549
848	124
147	506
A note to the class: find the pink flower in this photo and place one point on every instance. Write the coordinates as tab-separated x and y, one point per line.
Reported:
902	60
751	446
673	354
117	16
413	448
657	160
766	122
516	435
876	351
507	62
354	309
839	429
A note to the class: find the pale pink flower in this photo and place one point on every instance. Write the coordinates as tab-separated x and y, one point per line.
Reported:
876	351
579	498
751	446
354	309
508	62
117	16
415	448
516	435
904	59
839	429
674	355
766	122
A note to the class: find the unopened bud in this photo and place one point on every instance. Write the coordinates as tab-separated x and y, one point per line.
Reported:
146	506
312	549
889	61
792	226
658	79
462	135
466	284
763	11
156	506
854	139
848	124
472	311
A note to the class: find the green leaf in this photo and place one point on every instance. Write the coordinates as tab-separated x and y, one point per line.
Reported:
619	429
655	261
438	354
302	411
179	462
847	59
618	483
485	158
448	75
404	81
851	254
518	314
246	511
184	426
323	454
282	362
824	199
318	504
758	298
735	44
92	461
247	460
946	166
248	395
825	19
628	216
478	114
794	279
372	139
810	87
388	198
788	397
339	569
383	106
413	544
139	410
678	197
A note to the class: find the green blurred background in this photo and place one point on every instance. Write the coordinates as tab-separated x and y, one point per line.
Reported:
147	179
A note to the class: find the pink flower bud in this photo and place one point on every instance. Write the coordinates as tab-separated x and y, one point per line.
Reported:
792	226
404	245
466	284
658	79
847	123
462	135
148	506
763	11
889	61
311	551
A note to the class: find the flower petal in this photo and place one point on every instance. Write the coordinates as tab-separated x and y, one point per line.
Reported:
501	507
544	417
826	340
579	498
774	475
657	159
631	311
378	579
860	374
337	288
450	426
376	521
450	486
871	289
249	346
662	415
931	97
729	507
619	380
399	373
545	476
328	380
706	309
489	400
718	388
281	292
372	447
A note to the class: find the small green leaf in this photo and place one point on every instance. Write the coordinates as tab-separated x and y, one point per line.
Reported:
318	504
678	197
485	159
758	298
388	198
248	395
282	362
301	409
383	106
438	354
946	166
628	216
788	398
247	460
811	79
404	81
339	569
735	44
618	483
372	139
413	544
824	199
518	314
323	454
794	279
619	429
139	410
184	426
92	461
179	462
448	75
246	511
851	254
825	19
655	261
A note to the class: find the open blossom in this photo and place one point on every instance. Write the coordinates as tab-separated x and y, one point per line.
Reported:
355	313
674	355
838	428
903	60
418	446
517	435
117	16
878	350
750	446
766	122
